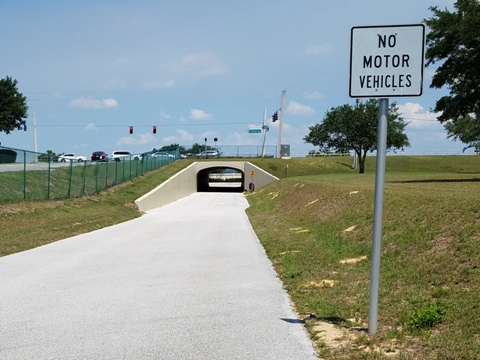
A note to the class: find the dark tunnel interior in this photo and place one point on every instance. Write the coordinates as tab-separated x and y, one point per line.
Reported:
220	179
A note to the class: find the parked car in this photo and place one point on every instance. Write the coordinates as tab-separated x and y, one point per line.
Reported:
207	154
162	155
71	157
99	156
119	155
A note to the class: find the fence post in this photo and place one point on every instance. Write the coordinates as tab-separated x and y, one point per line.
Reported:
48	176
84	177
96	177
70	180
24	174
130	171
106	174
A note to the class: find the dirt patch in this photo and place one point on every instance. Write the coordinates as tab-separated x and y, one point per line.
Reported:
440	244
27	207
351	228
353	260
339	338
321	283
333	336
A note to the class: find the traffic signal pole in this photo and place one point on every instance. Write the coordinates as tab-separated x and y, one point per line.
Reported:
265	129
280	124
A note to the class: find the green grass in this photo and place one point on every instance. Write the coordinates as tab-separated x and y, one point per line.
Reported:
430	277
430	252
70	181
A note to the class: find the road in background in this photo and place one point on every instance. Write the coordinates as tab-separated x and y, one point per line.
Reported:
189	280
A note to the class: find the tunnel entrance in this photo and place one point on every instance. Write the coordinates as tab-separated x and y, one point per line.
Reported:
220	179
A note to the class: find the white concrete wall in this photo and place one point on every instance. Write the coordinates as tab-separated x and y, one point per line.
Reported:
184	182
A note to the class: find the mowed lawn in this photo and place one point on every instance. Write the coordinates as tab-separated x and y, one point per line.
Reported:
316	227
317	230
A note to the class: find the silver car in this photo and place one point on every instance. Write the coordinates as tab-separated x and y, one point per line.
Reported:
207	154
71	157
122	155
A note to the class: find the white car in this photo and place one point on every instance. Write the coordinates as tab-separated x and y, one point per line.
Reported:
163	155
123	155
207	154
72	157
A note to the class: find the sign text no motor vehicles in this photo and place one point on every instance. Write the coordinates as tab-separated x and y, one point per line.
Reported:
387	61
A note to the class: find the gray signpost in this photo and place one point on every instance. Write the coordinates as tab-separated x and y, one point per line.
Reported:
385	61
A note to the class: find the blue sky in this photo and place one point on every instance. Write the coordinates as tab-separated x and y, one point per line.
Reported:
196	70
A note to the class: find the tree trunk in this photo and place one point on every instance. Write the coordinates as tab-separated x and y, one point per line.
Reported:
361	166
361	163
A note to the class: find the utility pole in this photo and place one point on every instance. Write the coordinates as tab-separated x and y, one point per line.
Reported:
280	125
265	129
35	149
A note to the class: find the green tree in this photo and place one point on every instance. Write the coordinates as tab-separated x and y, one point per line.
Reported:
180	148
355	127
197	149
48	156
453	41
13	106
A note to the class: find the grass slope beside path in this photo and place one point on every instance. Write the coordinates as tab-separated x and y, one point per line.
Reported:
317	230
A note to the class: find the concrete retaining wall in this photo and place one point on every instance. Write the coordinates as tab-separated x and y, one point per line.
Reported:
184	182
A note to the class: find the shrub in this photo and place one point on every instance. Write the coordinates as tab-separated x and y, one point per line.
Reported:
427	317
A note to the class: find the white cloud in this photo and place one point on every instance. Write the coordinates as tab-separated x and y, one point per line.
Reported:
91	127
184	135
241	139
298	109
313	95
200	65
164	116
168	139
316	50
196	114
91	103
418	118
169	84
143	139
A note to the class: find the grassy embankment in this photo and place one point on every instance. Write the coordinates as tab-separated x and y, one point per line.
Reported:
317	230
316	226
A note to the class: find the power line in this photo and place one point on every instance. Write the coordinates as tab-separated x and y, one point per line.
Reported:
420	119
144	125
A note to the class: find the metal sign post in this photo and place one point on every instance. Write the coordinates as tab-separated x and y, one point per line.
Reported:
385	61
378	215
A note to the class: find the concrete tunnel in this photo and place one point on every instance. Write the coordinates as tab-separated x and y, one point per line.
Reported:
206	182
196	178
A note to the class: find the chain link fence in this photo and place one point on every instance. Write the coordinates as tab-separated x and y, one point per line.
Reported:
246	151
26	175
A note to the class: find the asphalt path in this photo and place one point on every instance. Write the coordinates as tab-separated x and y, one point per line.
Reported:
189	280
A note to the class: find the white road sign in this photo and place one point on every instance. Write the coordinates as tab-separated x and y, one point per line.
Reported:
387	61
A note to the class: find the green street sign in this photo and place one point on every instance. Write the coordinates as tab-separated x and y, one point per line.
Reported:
254	131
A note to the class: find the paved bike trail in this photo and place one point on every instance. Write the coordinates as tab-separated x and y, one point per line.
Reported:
189	280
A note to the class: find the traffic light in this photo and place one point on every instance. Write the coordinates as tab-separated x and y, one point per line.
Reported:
275	116
154	129
25	127
131	129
